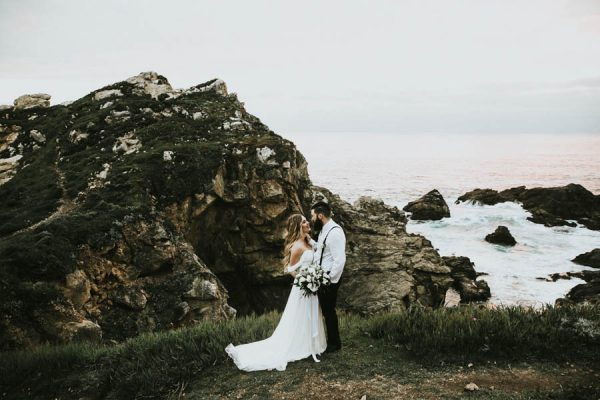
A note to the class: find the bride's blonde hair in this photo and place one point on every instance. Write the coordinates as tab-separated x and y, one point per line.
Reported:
294	232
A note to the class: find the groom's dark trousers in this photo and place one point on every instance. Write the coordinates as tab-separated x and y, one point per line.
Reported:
327	299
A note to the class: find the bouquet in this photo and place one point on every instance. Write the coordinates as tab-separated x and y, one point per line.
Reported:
310	279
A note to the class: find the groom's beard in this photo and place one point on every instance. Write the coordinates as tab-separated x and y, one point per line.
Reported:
317	226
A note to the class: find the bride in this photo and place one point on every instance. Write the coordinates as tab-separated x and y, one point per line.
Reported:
300	332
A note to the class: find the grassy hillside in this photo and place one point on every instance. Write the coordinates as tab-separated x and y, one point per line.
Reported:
508	352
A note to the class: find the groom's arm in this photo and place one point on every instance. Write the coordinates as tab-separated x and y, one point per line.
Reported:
337	246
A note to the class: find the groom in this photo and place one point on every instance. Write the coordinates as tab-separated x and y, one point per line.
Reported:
331	253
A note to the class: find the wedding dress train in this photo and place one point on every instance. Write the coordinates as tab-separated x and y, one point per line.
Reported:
299	334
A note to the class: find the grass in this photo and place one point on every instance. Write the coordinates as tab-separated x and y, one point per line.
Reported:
192	360
549	333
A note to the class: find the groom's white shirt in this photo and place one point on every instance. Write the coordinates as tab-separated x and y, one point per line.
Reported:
334	257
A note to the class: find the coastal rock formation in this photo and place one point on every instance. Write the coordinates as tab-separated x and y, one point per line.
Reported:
588	292
386	269
140	207
501	236
465	279
430	206
555	206
590	259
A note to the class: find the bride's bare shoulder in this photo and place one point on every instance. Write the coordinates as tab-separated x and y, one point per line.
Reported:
297	247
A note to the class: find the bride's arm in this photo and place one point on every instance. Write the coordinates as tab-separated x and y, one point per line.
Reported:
294	258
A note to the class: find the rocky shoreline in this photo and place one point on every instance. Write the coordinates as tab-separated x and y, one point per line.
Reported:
555	206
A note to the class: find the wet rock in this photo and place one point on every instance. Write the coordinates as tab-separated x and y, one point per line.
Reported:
501	236
431	206
588	292
590	259
559	275
554	206
488	197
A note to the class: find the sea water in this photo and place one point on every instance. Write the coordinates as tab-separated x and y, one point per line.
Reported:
399	168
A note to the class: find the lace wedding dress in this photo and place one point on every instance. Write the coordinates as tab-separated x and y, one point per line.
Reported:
299	334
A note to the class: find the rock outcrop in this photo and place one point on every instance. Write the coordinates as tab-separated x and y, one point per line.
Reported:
387	269
555	206
32	100
501	236
590	259
140	207
465	280
430	206
588	292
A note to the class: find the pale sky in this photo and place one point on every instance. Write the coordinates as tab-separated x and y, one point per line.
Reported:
465	66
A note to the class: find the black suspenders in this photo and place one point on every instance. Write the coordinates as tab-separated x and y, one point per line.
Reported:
325	240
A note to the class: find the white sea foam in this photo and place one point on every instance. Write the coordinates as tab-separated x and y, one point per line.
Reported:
540	250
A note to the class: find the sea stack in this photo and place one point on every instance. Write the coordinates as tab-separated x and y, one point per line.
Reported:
430	206
501	236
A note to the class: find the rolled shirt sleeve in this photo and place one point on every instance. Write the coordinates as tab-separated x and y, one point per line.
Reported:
337	245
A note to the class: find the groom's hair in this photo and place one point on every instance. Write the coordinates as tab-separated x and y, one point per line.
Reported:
321	207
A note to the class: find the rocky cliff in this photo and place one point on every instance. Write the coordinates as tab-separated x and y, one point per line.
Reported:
140	207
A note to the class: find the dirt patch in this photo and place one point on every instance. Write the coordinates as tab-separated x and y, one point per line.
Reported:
515	380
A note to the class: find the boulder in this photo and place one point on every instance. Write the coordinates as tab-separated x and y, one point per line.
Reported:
150	83
430	206
488	197
501	236
590	259
32	100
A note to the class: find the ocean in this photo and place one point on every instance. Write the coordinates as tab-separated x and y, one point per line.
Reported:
399	168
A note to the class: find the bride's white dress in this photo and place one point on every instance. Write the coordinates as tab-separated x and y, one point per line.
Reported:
299	334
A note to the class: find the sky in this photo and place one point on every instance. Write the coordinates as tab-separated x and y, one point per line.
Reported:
400	66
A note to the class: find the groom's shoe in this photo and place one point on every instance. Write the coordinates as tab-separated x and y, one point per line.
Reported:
332	349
